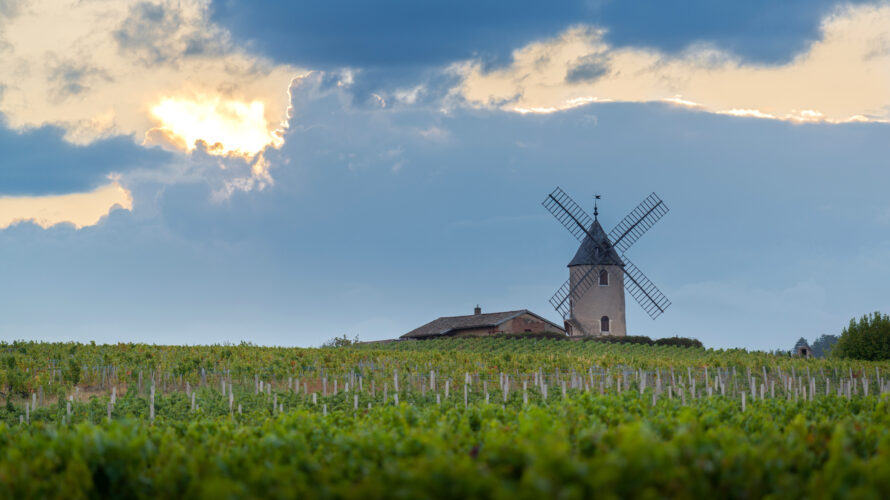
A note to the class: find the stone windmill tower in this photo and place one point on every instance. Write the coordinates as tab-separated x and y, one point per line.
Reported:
591	301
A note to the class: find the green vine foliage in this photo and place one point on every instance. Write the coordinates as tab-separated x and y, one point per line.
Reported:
601	428
581	447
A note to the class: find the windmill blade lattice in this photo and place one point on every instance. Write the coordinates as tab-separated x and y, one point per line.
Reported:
560	300
644	291
637	222
621	238
568	213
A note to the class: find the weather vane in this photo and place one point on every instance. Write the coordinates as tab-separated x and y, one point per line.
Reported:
595	209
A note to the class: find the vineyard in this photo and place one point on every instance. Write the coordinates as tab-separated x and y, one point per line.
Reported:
447	418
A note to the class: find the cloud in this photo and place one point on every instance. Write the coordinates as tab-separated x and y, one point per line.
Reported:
390	33
159	72
73	78
153	32
40	162
763	31
230	126
78	209
842	77
398	34
588	68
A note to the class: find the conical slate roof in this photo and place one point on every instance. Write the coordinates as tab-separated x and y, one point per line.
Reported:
597	251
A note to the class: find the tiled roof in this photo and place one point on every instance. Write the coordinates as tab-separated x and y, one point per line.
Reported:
448	324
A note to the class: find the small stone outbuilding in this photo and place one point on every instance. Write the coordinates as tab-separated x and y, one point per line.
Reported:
482	325
802	349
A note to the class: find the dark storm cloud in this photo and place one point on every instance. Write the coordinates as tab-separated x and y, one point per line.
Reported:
145	30
39	161
399	33
391	32
435	85
588	69
757	30
153	33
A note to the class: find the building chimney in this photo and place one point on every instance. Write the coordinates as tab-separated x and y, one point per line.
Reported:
477	310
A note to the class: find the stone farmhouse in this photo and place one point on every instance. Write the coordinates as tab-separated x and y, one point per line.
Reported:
481	325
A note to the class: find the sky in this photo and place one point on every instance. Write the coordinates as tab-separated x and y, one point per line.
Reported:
194	171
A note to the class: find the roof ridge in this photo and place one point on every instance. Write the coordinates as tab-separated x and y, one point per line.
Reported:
445	324
483	314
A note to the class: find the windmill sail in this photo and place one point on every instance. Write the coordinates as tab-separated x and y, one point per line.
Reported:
596	245
629	230
561	300
643	291
568	213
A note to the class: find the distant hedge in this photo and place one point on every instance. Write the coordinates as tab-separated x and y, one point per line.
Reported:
644	340
611	339
618	339
530	335
679	342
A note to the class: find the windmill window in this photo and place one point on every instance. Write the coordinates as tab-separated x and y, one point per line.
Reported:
604	277
604	324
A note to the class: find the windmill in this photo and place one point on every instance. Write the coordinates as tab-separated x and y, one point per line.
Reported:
591	301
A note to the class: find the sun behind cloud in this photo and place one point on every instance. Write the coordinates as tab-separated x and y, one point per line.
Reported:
159	71
227	127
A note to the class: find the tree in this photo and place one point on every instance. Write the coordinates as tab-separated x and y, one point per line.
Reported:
823	345
867	339
340	341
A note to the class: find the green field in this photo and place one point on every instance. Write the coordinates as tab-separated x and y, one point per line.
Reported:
446	418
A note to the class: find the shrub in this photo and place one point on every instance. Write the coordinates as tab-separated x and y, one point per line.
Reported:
617	339
341	341
533	335
867	339
15	379
679	342
72	372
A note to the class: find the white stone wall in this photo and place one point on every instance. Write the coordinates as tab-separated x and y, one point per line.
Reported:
599	301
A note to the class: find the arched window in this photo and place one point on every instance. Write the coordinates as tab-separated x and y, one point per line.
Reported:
604	324
604	277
